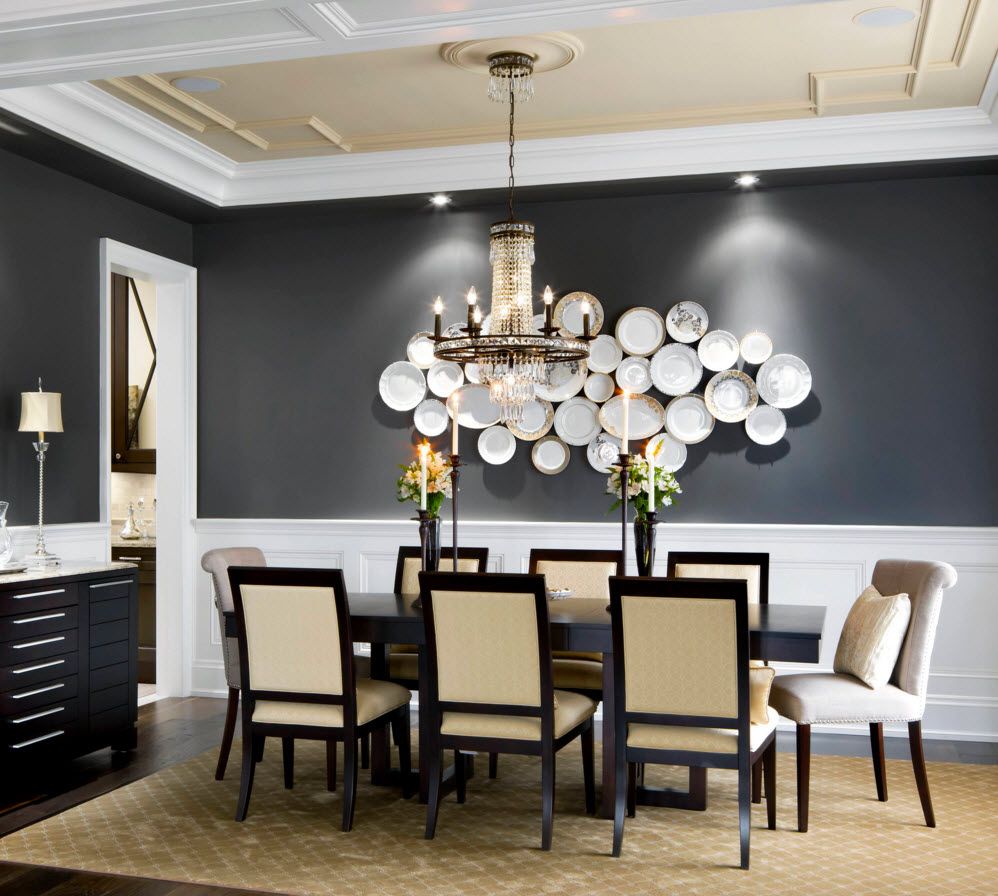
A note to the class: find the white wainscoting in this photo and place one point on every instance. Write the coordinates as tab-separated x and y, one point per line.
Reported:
826	565
68	541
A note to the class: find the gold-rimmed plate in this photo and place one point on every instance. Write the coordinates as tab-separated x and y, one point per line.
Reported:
550	455
646	417
731	396
568	313
535	421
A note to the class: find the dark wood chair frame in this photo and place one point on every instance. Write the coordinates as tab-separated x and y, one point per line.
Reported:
546	747
254	733
743	761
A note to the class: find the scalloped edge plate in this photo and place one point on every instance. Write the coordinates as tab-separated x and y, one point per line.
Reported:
662	356
769	369
718	350
597	454
633	375
756	347
686	331
612	413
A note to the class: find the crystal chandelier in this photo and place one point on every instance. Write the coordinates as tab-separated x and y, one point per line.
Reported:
513	357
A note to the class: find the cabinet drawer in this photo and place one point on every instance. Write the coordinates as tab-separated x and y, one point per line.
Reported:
14	703
107	676
31	723
26	674
109	698
108	632
13	653
41	597
108	654
39	622
109	610
109	589
109	721
53	739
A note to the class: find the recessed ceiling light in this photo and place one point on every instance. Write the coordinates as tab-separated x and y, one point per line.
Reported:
746	180
440	199
196	84
884	17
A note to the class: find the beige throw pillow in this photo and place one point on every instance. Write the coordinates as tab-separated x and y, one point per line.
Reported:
872	637
760	681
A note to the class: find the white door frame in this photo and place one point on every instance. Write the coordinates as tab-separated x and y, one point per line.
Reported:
176	447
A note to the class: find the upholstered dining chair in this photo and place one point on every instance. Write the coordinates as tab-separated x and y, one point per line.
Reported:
490	683
681	689
819	698
217	562
297	674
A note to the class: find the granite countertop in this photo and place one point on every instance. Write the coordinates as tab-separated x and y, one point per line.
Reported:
67	568
118	542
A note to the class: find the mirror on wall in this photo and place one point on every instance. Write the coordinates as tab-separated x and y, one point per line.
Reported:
133	375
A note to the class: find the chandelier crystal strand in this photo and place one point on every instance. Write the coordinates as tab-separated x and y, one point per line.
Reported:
511	74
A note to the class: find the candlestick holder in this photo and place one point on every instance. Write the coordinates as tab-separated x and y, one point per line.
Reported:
455	477
644	543
625	466
429	541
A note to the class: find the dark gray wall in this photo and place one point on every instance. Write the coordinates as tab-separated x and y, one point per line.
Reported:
50	228
886	289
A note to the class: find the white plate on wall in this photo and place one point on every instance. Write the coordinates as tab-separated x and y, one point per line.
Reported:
475	409
718	350
756	347
784	381
420	350
471	373
496	445
640	331
431	417
444	377
567	315
576	421
671	453
633	375
676	369
550	455
766	425
645	417
605	354
564	381
603	451
686	321
402	386
688	420
535	421
731	395
599	387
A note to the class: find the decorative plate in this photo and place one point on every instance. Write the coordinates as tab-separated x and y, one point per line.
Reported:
688	420
640	331
604	354
633	375
444	377
431	417
550	455
402	386
756	347
453	331
675	369
784	381
603	451
496	445
420	350
766	425
731	395
568	314
577	421
718	350
564	381
646	417
686	321
471	373
487	324
475	409
535	421
599	387
670	453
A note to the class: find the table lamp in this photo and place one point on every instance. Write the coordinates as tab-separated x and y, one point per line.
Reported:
41	412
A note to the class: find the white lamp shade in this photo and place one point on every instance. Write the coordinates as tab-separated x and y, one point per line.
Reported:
41	412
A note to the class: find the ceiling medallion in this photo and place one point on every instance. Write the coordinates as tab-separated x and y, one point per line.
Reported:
549	51
512	357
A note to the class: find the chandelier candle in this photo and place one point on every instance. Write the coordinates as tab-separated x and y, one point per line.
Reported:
586	317
438	310
548	311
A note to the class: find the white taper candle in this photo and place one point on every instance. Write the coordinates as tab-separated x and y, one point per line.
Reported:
627	414
423	450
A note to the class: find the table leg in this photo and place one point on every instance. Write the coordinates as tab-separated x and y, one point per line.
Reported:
609	752
424	747
381	747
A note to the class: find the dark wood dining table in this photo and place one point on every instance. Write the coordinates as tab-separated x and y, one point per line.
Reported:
777	632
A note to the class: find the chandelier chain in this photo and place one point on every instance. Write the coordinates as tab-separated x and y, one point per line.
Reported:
512	142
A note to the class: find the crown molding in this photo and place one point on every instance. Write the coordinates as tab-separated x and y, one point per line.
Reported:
101	122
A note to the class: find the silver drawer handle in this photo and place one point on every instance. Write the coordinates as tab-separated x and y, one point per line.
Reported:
39	666
38	594
38	715
137	559
115	582
39	643
51	687
39	618
36	740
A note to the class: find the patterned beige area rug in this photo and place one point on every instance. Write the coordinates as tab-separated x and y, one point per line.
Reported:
178	825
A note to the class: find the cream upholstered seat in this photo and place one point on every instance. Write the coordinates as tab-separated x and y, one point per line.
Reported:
296	660
819	698
682	688
489	689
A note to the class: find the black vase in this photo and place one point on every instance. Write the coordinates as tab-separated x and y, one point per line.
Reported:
644	544
429	541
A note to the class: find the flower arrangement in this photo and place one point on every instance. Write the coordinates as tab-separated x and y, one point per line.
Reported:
438	484
666	485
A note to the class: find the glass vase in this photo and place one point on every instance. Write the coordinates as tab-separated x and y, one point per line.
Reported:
6	542
644	544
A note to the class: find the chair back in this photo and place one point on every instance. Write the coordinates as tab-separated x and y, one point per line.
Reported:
585	573
218	561
753	568
294	636
681	651
924	582
488	643
409	564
